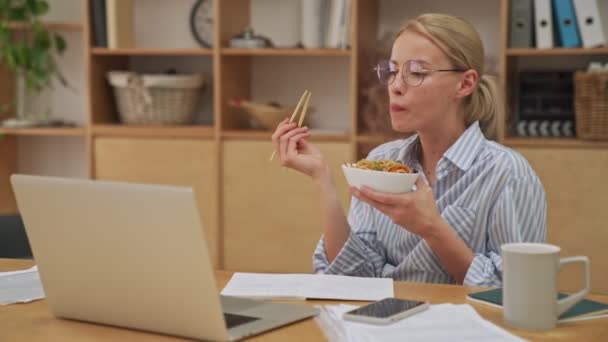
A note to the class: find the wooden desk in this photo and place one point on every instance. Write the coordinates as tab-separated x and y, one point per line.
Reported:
32	322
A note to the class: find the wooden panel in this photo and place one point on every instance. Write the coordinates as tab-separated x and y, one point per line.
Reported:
556	52
172	162
233	18
319	52
555	143
7	95
45	131
365	45
154	131
271	214
51	26
8	145
151	52
8	166
576	187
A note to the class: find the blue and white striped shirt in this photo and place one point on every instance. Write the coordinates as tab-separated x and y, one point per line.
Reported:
486	192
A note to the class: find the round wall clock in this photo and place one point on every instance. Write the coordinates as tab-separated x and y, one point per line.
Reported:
201	22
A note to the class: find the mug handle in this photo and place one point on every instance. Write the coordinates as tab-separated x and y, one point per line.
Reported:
568	302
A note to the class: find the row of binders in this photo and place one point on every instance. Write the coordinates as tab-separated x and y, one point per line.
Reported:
556	23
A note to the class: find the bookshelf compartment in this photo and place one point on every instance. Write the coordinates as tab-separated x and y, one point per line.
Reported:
283	81
203	113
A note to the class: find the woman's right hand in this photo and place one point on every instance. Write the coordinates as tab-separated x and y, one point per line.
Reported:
295	152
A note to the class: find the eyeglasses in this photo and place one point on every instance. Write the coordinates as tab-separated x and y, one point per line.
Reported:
413	72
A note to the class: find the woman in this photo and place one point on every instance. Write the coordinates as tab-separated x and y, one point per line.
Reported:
472	195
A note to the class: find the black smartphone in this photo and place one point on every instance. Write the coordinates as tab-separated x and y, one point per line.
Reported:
386	310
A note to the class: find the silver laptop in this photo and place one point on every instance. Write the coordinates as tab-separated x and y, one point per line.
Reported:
135	256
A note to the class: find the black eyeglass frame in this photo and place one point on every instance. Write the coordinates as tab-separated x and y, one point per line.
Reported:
424	73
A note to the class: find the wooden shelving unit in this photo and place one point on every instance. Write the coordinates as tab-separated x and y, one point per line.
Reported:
52	26
45	131
557	52
243	198
117	130
286	52
554	143
96	51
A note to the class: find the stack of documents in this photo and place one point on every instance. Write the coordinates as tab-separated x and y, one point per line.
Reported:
20	286
442	322
303	286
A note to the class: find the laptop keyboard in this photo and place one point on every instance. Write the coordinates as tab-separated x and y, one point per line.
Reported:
233	320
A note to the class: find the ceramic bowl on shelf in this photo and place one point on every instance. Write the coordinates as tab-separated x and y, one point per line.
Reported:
379	180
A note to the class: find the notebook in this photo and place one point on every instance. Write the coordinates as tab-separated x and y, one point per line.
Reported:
586	309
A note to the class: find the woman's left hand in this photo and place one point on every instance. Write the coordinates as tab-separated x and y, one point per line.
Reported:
416	211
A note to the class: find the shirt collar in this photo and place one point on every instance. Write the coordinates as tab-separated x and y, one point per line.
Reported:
464	151
410	155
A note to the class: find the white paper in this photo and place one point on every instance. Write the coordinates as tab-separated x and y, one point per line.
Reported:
20	286
301	286
442	322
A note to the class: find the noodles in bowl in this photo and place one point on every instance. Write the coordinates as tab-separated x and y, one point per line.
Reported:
382	165
380	175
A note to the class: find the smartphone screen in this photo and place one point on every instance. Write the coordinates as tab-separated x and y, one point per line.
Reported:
386	308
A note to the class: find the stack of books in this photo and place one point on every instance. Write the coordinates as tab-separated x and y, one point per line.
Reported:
583	310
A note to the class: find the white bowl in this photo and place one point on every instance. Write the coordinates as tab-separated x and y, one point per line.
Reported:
380	180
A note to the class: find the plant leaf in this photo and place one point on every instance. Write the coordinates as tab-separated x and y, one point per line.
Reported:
38	7
42	40
17	13
60	43
4	35
4	5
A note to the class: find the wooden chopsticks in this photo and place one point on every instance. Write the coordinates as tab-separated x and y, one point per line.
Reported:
304	99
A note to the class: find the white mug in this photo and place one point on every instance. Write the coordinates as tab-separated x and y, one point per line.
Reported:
530	277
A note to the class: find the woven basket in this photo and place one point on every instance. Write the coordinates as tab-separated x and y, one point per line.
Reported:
591	105
155	98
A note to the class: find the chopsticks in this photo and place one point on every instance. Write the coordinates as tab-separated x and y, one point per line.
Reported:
304	100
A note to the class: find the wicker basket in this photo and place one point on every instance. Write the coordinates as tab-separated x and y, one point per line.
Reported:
155	98
591	105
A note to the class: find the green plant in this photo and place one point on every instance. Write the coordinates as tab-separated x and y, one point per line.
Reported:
31	51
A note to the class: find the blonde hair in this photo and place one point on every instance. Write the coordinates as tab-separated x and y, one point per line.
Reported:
461	43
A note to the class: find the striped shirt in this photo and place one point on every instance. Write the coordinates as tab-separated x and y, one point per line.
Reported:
486	192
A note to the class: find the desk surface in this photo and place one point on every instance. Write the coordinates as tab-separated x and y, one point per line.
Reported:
33	322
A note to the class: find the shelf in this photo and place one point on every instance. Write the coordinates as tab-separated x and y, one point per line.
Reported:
98	51
51	26
553	143
117	130
266	135
45	131
285	52
556	51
